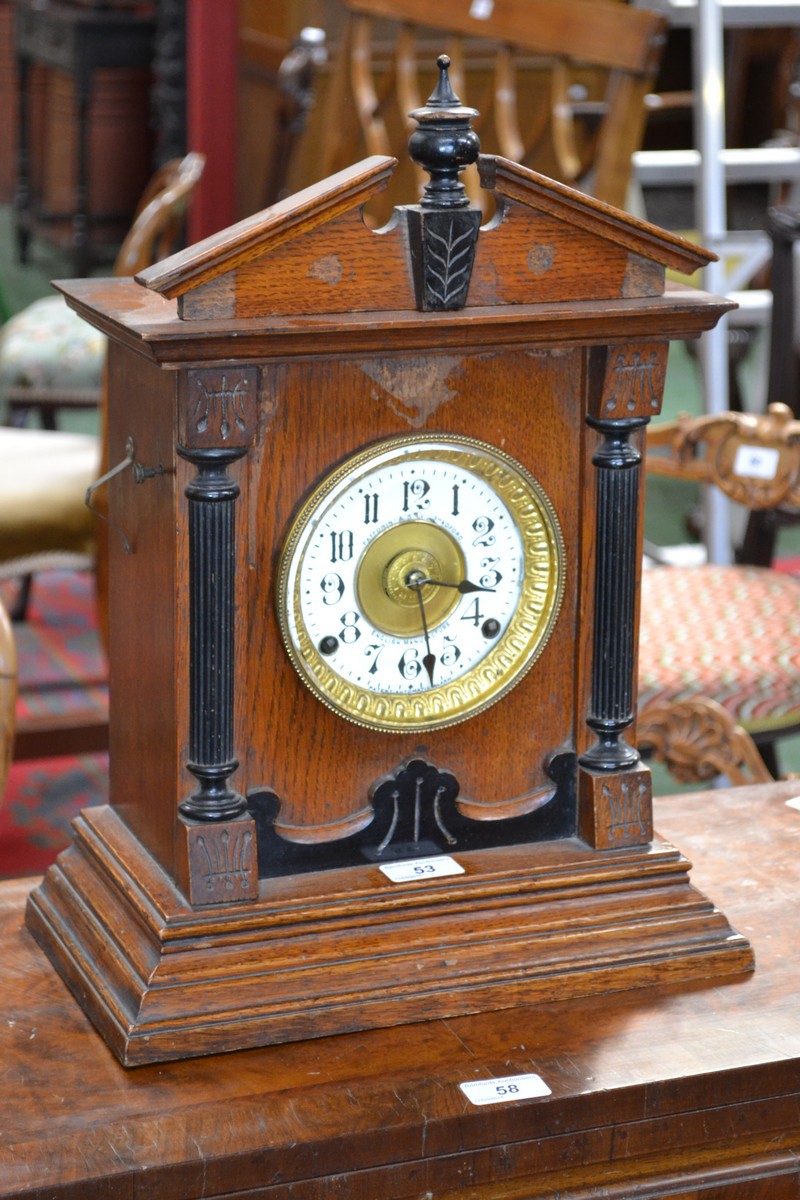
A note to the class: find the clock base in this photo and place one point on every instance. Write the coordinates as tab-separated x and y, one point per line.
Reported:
319	955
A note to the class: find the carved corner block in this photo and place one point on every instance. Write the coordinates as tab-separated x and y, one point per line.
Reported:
219	407
632	383
616	810
442	248
219	865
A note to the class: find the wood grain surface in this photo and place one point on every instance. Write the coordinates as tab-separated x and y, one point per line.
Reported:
680	1091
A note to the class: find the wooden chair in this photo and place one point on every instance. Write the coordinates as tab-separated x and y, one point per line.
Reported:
699	741
559	85
50	359
729	633
44	473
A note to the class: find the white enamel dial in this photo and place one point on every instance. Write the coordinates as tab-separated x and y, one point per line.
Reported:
419	582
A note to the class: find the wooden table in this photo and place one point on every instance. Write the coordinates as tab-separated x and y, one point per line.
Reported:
687	1092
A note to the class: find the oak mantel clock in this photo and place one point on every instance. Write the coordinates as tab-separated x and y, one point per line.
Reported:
373	620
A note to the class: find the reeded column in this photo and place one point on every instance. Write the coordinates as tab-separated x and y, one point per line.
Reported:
618	467
212	496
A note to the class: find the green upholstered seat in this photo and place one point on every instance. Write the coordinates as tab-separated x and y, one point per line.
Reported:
48	347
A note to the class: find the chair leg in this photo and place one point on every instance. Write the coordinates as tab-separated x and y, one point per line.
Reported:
769	753
19	610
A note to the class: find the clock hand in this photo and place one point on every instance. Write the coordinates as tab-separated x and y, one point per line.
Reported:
465	587
416	581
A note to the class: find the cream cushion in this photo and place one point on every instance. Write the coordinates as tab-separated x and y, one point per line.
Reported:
43	480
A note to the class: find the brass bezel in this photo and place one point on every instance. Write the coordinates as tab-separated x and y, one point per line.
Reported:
507	661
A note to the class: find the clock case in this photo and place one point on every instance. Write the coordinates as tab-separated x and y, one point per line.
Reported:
230	893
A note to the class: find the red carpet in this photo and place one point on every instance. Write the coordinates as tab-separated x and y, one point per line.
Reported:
61	668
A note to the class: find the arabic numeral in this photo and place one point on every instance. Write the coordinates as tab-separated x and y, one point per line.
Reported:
507	1089
409	665
416	492
342	546
491	576
483	526
374	651
350	632
451	653
332	588
473	613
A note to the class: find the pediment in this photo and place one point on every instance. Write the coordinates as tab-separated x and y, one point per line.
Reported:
313	253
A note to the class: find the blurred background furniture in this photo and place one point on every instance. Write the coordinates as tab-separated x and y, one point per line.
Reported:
712	164
699	741
50	359
560	85
727	632
80	42
45	473
760	540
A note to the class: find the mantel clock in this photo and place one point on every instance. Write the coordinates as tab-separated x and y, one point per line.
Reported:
376	607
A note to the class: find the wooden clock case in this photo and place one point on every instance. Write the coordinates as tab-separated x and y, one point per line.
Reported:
230	895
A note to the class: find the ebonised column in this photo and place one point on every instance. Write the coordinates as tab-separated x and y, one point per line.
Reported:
212	496
618	468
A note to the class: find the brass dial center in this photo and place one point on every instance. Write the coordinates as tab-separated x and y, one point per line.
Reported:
395	557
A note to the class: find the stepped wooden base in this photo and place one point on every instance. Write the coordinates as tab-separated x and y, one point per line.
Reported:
347	950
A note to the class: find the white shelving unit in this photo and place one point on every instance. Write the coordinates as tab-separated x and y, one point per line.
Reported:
710	165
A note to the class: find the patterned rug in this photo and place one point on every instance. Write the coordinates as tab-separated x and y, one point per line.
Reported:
61	669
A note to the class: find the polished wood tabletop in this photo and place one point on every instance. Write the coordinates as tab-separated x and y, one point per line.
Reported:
685	1091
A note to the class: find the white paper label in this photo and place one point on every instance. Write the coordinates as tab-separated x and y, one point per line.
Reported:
794	803
501	1091
756	462
421	868
481	10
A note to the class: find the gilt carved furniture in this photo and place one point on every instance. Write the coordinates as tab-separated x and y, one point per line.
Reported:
560	85
373	596
726	633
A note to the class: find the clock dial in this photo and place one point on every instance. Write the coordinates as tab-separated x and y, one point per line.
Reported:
420	581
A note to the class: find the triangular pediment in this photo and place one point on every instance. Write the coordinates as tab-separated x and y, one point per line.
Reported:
314	253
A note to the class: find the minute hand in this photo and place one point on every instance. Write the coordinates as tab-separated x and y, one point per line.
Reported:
465	587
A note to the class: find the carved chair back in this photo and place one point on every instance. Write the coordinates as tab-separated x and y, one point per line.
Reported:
726	634
698	740
753	458
159	216
559	84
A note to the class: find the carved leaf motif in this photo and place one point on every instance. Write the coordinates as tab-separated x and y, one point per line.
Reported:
698	740
452	256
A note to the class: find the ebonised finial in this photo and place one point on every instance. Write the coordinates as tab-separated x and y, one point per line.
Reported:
444	142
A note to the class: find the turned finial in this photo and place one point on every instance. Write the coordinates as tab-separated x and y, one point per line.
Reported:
444	142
